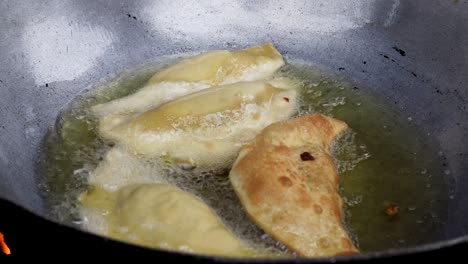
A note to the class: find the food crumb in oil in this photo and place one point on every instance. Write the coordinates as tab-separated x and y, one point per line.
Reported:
391	210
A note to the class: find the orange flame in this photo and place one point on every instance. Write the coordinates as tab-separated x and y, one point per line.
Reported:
4	246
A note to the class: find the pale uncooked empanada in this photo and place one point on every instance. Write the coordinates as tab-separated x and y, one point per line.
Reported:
206	128
287	182
193	74
219	67
160	216
120	168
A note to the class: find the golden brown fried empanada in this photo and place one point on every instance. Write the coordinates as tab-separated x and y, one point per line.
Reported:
287	182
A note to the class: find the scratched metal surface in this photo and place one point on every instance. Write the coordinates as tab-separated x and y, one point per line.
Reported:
50	51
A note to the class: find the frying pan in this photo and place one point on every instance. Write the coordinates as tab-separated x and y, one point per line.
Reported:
416	55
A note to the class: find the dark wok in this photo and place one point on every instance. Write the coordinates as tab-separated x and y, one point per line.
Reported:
416	55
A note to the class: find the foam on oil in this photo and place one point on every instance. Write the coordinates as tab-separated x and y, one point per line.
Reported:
383	159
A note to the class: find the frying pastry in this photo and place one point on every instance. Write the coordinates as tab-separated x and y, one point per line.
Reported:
120	168
161	216
287	182
223	67
212	68
206	128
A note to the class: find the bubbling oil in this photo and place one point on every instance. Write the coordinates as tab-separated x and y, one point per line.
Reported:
383	159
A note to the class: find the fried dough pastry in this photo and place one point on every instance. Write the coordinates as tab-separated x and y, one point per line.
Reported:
206	128
287	182
120	168
209	69
160	216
